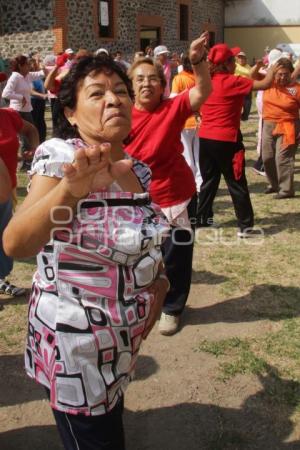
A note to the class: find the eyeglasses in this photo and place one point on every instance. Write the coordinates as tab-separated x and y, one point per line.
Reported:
152	79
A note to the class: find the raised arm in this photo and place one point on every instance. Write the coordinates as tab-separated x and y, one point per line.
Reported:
52	200
296	72
265	83
202	89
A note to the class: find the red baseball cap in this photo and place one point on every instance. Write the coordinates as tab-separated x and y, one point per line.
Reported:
3	76
219	53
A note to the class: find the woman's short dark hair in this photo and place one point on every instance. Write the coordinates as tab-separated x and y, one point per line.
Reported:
67	97
186	63
18	61
159	68
286	64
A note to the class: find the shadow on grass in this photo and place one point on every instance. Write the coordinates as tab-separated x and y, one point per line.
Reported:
30	261
19	388
205	277
261	423
21	191
265	301
31	438
9	300
273	224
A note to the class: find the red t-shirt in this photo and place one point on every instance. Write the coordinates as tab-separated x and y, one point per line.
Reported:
221	113
10	124
155	140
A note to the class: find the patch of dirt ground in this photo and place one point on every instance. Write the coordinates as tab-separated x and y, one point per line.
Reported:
177	401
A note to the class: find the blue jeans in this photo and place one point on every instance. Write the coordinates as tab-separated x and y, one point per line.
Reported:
6	263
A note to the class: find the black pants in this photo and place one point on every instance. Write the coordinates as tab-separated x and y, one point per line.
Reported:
38	115
178	258
80	432
54	103
216	159
247	106
24	141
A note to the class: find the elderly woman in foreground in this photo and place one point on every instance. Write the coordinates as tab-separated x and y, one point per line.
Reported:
100	283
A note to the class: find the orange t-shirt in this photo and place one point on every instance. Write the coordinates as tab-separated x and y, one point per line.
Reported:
184	80
281	103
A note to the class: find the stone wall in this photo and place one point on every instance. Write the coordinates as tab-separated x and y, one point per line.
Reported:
82	31
26	25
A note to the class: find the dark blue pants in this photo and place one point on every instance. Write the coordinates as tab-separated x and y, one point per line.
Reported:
80	432
178	258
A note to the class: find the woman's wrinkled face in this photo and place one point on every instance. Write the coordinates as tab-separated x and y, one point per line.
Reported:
147	87
282	76
103	109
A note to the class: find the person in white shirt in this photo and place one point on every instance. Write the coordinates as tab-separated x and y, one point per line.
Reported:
18	86
18	90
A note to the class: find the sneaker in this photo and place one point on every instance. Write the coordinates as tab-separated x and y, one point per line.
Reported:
168	325
259	172
248	233
270	190
11	289
282	195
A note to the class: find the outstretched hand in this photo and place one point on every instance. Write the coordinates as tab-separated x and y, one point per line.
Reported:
92	170
198	48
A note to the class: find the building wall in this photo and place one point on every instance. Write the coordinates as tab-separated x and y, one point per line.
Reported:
26	24
52	25
253	40
262	12
131	13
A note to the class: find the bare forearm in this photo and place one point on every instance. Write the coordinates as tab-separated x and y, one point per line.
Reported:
31	228
202	88
265	83
50	78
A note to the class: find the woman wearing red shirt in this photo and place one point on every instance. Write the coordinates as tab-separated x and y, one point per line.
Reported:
221	143
11	124
155	139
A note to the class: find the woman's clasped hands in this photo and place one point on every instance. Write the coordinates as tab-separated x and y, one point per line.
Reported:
92	170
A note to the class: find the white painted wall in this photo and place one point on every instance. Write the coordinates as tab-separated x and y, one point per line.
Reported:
262	12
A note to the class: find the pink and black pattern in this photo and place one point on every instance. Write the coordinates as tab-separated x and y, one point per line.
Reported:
90	301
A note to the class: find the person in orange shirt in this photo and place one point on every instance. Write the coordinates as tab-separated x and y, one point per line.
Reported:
281	128
183	81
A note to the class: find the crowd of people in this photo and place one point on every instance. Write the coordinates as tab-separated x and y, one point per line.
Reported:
114	198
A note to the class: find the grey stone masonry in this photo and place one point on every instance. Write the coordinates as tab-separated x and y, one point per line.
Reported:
27	25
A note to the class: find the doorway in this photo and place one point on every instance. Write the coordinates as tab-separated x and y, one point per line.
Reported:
149	35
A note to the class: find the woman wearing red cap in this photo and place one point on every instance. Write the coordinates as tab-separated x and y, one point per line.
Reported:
221	143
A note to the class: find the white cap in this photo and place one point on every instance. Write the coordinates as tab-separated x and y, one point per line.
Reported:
160	50
241	54
101	50
49	60
69	51
274	56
